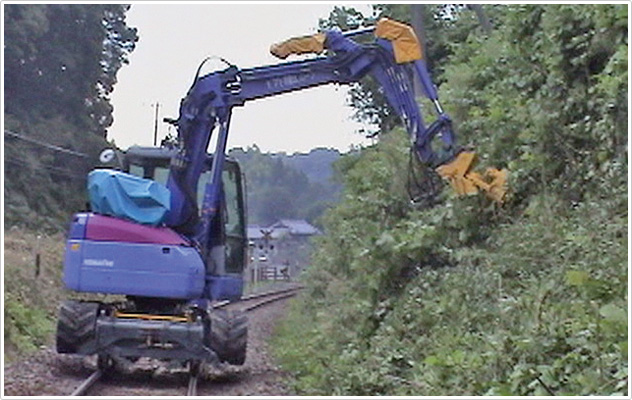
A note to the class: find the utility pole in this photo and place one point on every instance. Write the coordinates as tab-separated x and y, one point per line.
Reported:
157	106
417	21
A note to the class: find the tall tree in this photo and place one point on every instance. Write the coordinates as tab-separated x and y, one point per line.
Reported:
62	59
60	66
444	27
547	96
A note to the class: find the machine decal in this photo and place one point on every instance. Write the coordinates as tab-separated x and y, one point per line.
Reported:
98	263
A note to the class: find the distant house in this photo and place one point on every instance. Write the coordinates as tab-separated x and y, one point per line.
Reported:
283	227
284	244
254	232
294	227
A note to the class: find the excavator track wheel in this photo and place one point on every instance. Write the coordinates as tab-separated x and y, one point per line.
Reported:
228	335
76	325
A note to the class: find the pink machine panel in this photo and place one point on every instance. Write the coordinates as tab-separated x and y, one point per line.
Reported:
102	228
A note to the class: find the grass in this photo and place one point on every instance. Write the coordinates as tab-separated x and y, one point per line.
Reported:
30	301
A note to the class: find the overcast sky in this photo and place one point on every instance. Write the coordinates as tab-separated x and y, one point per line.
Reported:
175	38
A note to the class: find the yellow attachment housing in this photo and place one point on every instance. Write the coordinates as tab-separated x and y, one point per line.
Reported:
465	182
406	46
299	45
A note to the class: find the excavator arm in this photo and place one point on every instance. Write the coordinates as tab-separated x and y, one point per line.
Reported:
406	49
392	60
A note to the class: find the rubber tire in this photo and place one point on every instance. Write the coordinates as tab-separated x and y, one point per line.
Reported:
76	325
228	336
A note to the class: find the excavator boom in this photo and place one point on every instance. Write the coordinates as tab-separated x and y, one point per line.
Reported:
457	168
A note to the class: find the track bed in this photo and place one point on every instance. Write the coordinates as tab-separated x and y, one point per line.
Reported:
49	374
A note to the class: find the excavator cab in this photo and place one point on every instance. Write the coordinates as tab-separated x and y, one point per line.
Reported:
153	163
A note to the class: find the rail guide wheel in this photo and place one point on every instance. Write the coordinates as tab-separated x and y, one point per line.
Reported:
195	367
105	363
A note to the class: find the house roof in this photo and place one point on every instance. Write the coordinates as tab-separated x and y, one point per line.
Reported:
254	232
296	227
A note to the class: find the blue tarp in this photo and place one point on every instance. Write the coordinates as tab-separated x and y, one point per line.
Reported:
122	195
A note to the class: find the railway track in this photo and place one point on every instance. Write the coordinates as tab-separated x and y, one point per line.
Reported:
245	304
254	301
91	381
82	389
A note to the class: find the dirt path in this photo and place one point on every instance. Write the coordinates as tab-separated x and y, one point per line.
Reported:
49	374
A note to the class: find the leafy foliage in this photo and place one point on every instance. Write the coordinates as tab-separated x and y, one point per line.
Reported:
534	97
25	328
63	59
287	186
442	24
60	64
467	298
30	301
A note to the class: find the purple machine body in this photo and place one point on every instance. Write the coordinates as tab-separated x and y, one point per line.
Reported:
110	255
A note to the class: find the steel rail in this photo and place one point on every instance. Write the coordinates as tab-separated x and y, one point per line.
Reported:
192	389
82	389
87	384
227	303
269	300
270	293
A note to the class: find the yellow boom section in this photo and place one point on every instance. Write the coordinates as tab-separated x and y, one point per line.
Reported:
299	45
493	183
406	46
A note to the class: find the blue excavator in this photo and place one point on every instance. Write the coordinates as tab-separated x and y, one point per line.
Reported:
165	235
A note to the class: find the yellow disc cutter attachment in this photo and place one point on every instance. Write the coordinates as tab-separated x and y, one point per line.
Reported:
493	183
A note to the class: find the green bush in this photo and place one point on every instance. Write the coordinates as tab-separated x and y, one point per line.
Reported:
468	298
25	327
537	307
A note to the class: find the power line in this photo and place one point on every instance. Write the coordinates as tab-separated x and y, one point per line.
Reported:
50	171
47	145
20	161
27	163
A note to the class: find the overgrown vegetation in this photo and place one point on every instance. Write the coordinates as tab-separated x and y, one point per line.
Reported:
60	68
468	298
287	186
30	298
